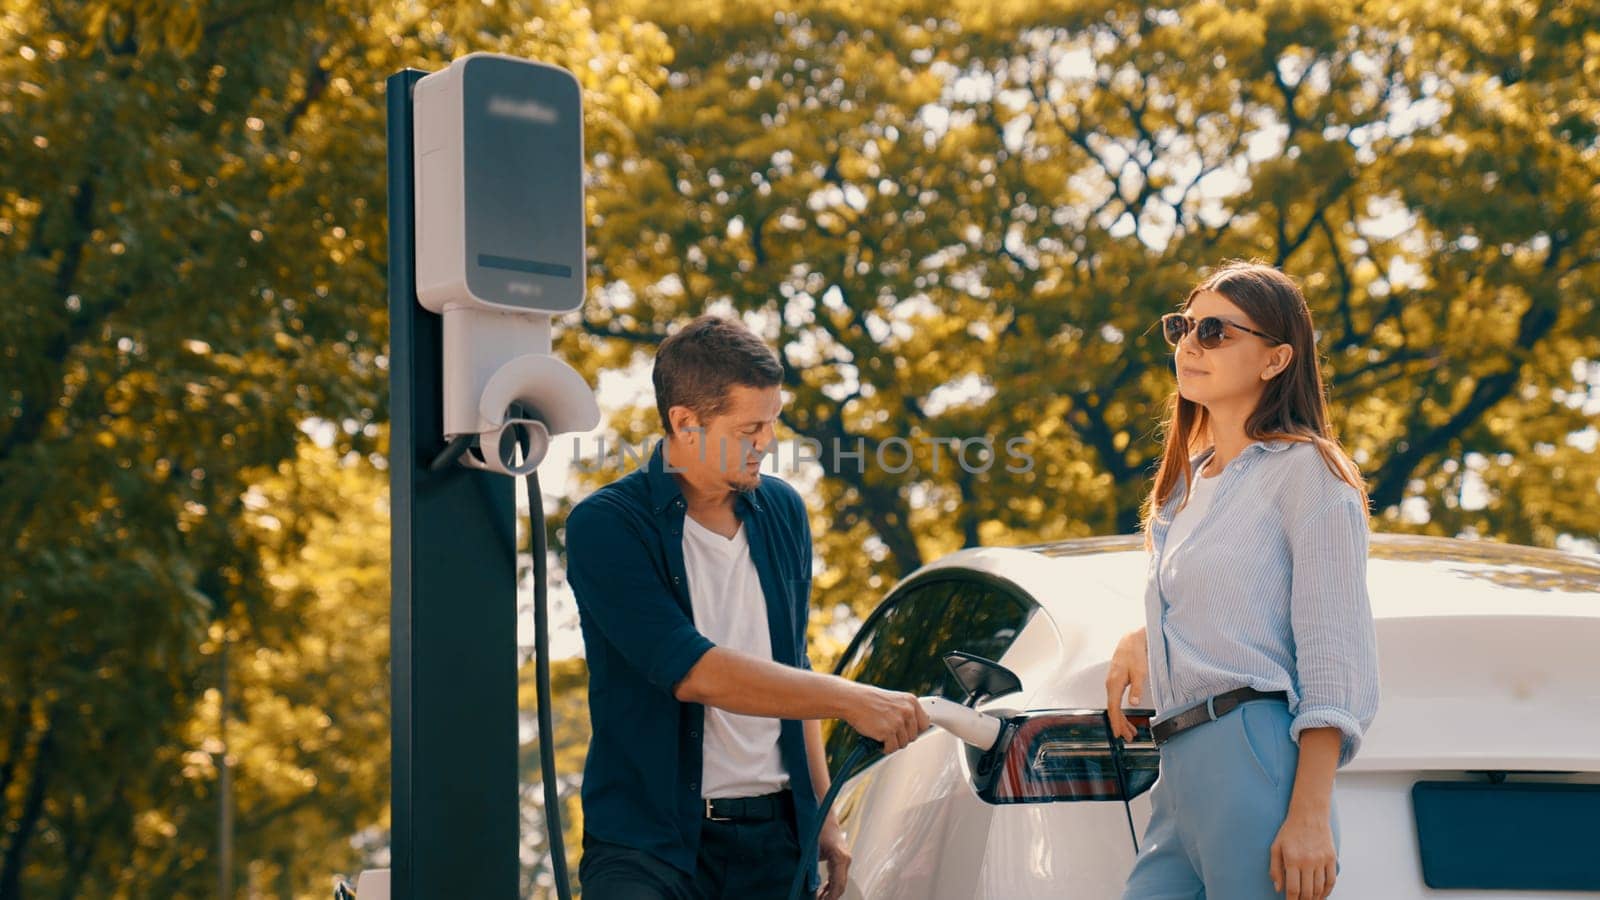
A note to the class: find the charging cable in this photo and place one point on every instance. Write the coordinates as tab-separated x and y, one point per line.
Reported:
980	730
541	675
808	849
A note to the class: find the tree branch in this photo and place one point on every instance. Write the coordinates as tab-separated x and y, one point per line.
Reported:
26	428
1389	483
316	86
22	830
649	338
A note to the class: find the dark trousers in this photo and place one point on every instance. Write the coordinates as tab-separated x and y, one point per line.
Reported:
737	861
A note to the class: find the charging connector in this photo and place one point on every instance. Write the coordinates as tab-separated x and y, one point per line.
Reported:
980	730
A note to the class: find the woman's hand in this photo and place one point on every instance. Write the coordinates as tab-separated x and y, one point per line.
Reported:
1304	861
1128	672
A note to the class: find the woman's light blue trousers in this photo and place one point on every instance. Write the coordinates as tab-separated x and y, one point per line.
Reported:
1216	808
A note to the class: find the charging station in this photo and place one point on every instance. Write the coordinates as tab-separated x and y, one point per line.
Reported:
486	244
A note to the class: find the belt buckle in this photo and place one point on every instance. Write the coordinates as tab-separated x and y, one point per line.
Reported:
713	817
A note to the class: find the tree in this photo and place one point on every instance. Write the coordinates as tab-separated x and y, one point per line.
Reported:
308	725
959	220
192	228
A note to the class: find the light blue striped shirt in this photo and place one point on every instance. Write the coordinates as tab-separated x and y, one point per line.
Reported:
1268	592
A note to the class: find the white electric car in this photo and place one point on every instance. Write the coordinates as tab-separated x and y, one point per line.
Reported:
1480	777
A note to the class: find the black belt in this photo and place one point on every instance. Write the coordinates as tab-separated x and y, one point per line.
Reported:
1209	711
750	809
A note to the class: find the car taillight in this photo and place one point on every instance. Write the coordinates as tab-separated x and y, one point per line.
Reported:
1071	755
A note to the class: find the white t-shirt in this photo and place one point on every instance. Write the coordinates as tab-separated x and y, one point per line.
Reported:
1201	490
740	752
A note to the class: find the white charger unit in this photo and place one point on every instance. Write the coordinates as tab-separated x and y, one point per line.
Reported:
498	146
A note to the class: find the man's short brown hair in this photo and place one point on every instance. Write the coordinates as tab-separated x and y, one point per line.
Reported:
696	366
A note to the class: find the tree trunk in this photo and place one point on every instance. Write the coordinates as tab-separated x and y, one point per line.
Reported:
32	808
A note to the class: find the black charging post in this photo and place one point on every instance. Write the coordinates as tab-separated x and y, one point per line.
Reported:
455	818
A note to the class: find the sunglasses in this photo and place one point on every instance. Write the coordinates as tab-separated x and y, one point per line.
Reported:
1208	332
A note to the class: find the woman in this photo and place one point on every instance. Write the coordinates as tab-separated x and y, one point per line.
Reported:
1261	657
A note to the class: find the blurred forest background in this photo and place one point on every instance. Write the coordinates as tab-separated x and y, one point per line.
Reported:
954	218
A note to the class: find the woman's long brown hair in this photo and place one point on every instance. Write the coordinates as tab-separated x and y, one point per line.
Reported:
1294	405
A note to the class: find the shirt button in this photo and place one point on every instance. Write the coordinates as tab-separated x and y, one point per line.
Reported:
676	579
694	786
694	734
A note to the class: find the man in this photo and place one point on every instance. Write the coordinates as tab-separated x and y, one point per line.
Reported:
693	581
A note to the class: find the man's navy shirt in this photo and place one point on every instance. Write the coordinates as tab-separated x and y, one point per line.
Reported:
641	783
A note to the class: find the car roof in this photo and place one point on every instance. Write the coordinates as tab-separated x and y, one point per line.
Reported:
1408	576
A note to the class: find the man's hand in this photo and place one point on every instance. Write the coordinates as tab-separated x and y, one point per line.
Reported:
1129	670
892	718
831	848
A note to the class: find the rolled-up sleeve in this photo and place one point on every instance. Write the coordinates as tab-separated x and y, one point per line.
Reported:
1335	643
618	589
